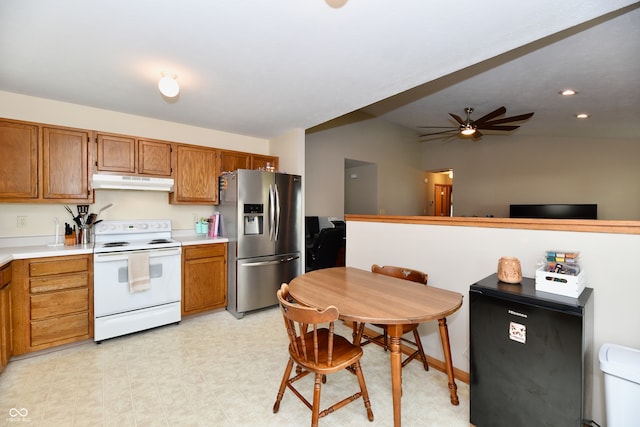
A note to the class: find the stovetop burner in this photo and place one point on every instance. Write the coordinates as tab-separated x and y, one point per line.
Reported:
159	241
114	244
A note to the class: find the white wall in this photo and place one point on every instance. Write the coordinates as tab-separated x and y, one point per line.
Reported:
28	108
361	190
500	170
128	204
394	149
456	257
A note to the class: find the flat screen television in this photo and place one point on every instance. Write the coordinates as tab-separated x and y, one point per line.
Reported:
555	211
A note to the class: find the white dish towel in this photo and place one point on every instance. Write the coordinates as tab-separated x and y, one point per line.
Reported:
139	272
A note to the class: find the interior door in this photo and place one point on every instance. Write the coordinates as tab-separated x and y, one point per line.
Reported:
442	199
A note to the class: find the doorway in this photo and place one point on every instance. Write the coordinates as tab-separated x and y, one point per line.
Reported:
439	192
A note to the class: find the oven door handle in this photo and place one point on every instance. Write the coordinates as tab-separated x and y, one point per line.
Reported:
124	255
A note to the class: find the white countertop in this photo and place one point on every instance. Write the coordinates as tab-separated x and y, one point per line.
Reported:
30	248
198	239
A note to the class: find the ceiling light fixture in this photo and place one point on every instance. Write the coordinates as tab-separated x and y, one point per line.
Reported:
568	92
336	4
168	85
468	127
582	116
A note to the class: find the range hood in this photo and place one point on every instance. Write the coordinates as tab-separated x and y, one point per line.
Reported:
126	182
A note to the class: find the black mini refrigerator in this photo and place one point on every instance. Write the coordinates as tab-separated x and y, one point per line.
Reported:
530	355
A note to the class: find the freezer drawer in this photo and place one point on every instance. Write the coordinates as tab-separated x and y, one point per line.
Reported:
258	280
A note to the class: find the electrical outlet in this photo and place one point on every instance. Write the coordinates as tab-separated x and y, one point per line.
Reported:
22	221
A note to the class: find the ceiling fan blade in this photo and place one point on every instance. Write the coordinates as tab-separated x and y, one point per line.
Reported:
492	127
510	119
438	127
438	133
477	135
491	115
457	118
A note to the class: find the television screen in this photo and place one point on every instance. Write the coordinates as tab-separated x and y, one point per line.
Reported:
554	211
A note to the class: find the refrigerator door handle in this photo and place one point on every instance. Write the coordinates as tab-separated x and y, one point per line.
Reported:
274	262
271	212
277	197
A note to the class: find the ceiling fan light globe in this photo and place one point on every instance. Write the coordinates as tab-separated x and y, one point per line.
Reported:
467	130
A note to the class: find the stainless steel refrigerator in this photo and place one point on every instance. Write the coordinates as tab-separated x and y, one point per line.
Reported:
262	218
530	356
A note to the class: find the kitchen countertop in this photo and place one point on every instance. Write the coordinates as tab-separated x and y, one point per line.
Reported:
38	251
27	249
197	239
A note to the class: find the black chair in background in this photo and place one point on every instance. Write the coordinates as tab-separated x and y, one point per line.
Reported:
328	249
311	232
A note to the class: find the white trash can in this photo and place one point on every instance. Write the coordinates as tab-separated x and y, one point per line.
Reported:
621	367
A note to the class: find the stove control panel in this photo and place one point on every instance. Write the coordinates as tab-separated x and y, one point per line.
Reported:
133	227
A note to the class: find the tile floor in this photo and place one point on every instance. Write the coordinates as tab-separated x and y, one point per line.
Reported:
211	370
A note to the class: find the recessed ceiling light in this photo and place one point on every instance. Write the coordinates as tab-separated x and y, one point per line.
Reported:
567	92
582	116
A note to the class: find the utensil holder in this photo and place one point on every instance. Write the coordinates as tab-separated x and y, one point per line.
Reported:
85	234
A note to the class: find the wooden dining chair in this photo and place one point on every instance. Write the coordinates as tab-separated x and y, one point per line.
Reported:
383	339
317	350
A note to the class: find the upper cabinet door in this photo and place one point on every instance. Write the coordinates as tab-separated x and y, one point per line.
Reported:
234	160
130	155
19	171
115	153
65	162
195	178
154	158
260	162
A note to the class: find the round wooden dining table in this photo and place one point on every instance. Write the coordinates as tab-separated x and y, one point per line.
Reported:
363	296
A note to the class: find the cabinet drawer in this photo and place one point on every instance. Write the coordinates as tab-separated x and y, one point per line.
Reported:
59	328
58	266
204	251
59	303
56	283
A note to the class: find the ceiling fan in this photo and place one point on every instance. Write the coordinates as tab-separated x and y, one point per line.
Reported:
471	128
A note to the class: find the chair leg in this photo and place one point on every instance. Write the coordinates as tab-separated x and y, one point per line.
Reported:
358	330
386	339
283	385
363	389
416	335
317	386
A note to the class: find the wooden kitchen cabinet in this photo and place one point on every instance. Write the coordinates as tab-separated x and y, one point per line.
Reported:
154	158
196	180
259	161
52	301
19	146
6	329
204	278
234	160
130	155
65	161
42	163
